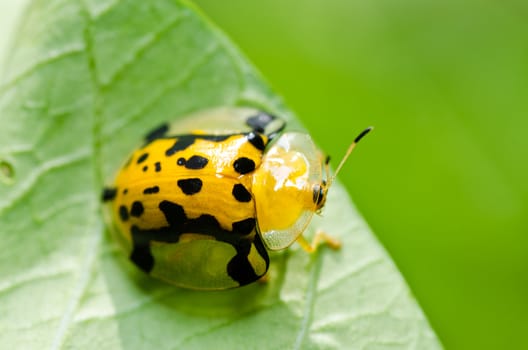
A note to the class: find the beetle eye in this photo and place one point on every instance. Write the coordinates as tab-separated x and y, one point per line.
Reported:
318	195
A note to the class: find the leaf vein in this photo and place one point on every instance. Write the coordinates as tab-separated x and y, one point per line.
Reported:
34	176
106	9
143	46
54	56
129	310
311	296
19	281
79	290
370	263
88	264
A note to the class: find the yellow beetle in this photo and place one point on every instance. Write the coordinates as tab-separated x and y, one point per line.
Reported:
199	204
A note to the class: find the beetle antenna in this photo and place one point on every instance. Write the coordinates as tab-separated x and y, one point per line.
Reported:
348	152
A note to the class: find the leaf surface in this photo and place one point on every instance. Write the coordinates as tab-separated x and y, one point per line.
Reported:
85	81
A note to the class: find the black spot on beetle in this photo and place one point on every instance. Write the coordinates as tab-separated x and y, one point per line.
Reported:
260	121
141	254
109	193
157	166
123	213
196	162
142	158
151	190
205	223
142	257
244	165
184	141
256	140
179	223
190	186
145	168
261	250
157	133
125	191
244	227
240	193
173	212
137	209
239	267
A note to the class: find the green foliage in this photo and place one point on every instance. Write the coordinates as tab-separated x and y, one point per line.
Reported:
85	80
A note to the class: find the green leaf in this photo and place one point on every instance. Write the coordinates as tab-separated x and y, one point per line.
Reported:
84	82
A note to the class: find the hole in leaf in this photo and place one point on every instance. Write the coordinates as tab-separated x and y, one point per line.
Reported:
7	172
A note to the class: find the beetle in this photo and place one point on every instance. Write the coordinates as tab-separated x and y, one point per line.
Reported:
201	202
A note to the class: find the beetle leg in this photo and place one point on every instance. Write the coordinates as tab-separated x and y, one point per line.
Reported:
319	238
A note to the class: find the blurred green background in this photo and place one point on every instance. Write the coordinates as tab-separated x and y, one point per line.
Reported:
443	180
